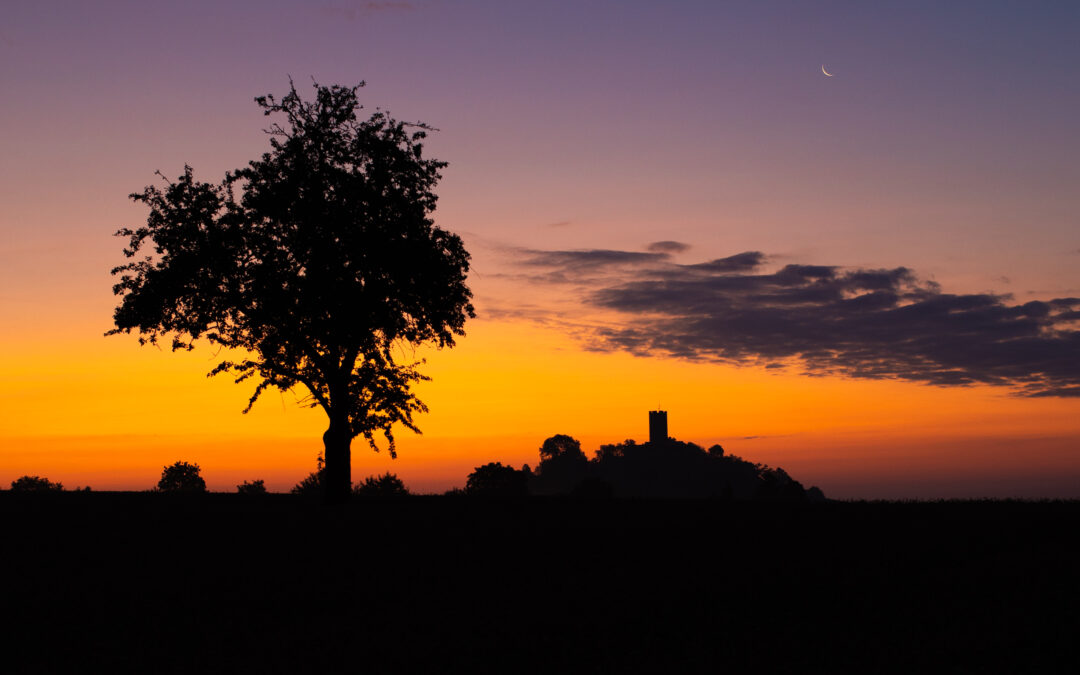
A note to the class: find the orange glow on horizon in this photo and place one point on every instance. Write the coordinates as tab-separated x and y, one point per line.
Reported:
111	414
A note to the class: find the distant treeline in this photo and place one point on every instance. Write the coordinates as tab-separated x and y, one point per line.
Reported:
665	469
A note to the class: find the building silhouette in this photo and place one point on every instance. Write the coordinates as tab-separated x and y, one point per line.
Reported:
657	426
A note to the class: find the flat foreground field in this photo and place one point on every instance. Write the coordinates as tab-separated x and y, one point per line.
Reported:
150	583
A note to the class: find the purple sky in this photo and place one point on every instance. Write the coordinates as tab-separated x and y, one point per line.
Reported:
946	140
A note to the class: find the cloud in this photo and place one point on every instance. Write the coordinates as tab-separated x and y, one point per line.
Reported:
828	320
735	263
588	259
667	247
561	223
581	268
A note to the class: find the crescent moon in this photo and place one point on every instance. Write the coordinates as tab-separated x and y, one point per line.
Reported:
827	73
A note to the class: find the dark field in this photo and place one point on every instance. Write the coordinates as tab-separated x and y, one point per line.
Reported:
150	583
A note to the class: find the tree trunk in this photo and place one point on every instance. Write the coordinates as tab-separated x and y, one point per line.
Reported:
337	474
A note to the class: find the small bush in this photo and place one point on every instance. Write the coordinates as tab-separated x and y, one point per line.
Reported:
312	485
181	478
255	487
386	485
35	484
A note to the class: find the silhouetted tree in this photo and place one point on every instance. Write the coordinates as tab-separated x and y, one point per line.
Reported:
181	477
323	266
716	450
497	480
255	487
613	450
35	484
560	445
562	466
386	485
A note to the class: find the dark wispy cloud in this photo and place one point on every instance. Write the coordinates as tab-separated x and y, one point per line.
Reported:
667	247
580	267
869	323
740	262
589	259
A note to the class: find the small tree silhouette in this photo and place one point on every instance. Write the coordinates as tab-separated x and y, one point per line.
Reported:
181	477
35	484
255	487
386	485
561	445
497	480
562	466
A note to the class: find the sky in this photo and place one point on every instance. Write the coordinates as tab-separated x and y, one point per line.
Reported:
868	279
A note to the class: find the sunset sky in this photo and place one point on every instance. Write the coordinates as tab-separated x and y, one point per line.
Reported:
869	279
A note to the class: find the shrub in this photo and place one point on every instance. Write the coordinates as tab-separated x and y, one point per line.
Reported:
35	484
181	478
386	485
495	480
312	486
255	487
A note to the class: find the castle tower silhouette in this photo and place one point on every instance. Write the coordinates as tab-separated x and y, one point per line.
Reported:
657	426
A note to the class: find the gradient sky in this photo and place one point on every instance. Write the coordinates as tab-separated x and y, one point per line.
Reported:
945	143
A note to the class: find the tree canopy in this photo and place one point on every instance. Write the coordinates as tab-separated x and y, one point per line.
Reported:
497	480
318	264
561	445
181	477
35	484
